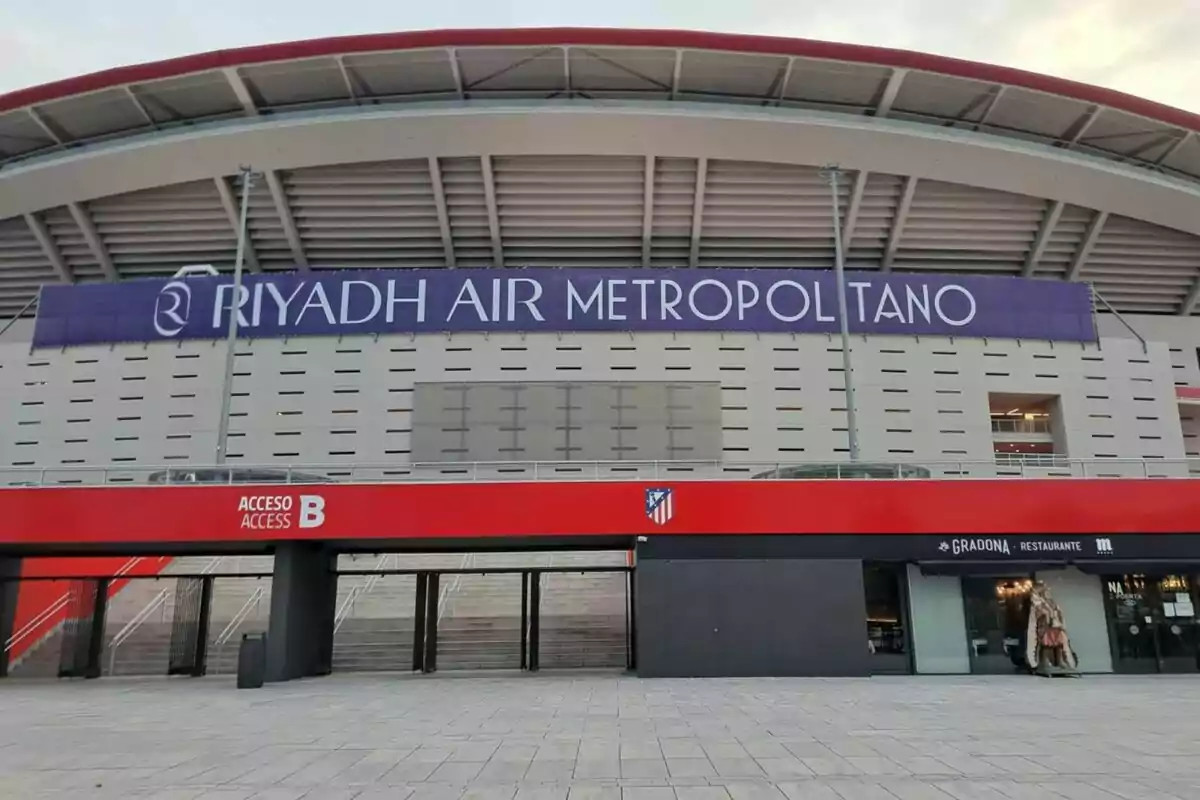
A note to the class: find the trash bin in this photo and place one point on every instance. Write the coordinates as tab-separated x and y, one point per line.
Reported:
252	661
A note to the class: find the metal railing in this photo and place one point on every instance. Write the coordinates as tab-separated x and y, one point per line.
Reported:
1017	425
240	617
49	612
357	591
1002	465
158	601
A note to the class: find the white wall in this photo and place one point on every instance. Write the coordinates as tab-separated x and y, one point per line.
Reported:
325	400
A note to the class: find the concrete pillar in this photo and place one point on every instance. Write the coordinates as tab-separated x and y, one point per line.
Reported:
303	605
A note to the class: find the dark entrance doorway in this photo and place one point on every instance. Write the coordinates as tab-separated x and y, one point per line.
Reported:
997	611
1152	622
885	587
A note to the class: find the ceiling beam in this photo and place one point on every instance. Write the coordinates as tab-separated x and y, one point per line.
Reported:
443	211
902	209
233	213
460	86
884	107
1080	127
241	91
1049	221
284	209
675	74
647	209
1174	148
49	247
347	79
698	211
47	128
92	237
1085	247
140	106
566	53
992	102
1189	302
493	213
856	196
785	80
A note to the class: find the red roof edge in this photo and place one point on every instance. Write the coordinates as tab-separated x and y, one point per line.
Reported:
598	37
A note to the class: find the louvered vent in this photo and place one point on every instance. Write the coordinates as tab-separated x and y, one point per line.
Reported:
1141	267
1065	241
968	229
571	211
367	215
674	190
71	244
23	266
467	209
767	215
155	232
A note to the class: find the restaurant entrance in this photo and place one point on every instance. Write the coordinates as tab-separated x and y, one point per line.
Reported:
1152	622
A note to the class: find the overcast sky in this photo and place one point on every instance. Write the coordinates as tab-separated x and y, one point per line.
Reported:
1149	48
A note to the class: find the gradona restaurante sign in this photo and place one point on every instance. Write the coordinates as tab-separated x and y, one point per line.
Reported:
349	302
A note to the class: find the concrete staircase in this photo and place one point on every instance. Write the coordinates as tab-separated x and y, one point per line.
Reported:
583	615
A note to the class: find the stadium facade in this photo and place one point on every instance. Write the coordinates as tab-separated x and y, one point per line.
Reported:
573	289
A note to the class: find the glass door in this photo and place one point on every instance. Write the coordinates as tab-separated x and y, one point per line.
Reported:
1175	624
997	610
1152	623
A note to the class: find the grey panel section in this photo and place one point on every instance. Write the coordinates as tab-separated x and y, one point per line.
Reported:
1082	599
324	400
303	599
939	628
566	421
782	617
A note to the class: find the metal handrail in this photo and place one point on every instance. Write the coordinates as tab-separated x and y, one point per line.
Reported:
316	475
27	630
159	601
133	625
359	590
239	617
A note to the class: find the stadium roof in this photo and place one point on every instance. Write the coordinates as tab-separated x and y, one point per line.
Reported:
87	163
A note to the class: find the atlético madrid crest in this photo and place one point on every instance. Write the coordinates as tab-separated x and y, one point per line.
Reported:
660	505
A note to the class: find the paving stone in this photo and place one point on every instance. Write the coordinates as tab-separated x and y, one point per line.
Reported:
583	736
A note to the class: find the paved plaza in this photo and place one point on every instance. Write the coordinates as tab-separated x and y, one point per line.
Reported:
604	737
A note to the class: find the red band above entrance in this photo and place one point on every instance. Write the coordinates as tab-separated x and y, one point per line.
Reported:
194	514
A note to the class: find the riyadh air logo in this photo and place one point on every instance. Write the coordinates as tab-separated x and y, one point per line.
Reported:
172	308
660	505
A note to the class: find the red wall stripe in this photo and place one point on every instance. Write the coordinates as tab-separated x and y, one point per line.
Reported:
150	515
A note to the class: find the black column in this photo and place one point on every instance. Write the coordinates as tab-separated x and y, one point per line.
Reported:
419	614
431	622
10	586
535	618
206	592
303	606
96	642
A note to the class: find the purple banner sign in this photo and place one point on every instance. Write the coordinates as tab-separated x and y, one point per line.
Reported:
346	302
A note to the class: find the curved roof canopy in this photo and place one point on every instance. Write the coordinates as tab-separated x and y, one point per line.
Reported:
659	148
599	63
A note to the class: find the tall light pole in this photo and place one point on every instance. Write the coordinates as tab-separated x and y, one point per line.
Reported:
832	173
247	176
